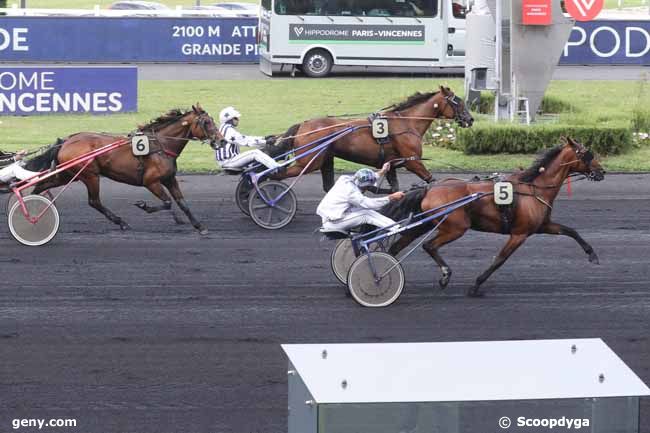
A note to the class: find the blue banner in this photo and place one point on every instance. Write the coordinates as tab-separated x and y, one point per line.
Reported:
215	40
32	91
101	39
608	42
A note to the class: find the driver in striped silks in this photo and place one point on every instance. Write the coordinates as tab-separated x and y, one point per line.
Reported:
12	167
345	207
229	155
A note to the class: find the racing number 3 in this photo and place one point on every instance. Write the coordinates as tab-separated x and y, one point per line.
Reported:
503	193
380	128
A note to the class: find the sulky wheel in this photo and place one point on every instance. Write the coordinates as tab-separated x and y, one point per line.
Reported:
271	214
28	191
34	233
341	259
242	194
380	291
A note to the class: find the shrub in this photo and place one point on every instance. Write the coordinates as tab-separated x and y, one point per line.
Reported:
641	120
507	138
550	104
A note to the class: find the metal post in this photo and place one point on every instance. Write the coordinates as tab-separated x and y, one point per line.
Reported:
23	4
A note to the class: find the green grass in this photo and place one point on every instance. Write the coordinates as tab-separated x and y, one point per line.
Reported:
613	4
89	4
271	106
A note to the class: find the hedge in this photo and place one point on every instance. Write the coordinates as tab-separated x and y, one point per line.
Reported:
507	138
3	4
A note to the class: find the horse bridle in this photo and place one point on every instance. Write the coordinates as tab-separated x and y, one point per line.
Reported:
454	102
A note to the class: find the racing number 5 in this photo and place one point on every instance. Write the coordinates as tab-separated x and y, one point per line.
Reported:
503	193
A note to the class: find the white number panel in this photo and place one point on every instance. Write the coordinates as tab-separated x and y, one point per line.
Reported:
140	145
380	128
504	193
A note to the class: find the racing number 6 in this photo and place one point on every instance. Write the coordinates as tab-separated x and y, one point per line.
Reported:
140	145
503	193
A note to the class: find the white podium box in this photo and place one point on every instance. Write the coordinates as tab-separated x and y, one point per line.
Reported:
461	387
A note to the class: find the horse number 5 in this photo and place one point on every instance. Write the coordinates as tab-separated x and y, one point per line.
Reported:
503	193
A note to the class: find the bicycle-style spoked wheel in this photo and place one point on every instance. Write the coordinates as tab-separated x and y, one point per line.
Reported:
27	191
38	232
242	194
277	210
343	256
376	279
341	259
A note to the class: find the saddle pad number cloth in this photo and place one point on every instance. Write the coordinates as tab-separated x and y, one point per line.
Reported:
504	193
140	145
380	127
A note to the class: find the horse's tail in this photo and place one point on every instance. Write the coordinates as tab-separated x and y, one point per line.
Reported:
283	143
45	160
411	203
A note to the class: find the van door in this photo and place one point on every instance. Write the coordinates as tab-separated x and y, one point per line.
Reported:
456	10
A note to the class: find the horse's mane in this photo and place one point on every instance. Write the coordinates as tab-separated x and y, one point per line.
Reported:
414	99
171	116
531	173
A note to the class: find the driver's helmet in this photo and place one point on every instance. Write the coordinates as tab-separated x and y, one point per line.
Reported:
227	114
365	178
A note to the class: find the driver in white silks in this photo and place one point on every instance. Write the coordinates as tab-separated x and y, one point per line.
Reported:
229	155
11	167
345	207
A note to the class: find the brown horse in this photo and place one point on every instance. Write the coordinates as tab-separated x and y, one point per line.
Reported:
535	191
168	135
407	124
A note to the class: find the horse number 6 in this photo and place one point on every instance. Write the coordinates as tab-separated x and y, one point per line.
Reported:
503	193
140	145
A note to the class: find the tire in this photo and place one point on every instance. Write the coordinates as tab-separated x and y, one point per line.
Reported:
370	293
317	63
242	194
12	197
277	216
340	261
34	233
342	258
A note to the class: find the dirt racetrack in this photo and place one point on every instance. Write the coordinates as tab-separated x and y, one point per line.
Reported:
161	330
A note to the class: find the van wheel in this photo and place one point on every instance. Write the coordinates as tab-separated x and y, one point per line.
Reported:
317	64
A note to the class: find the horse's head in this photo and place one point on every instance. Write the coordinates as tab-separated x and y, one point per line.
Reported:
203	127
451	106
586	161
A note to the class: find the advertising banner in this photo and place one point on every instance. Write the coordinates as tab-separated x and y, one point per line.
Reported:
608	43
536	12
350	33
101	39
34	91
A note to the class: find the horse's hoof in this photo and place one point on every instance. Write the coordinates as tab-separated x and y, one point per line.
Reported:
474	292
125	227
203	232
593	258
444	280
141	204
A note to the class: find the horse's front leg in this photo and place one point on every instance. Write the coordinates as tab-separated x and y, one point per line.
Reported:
510	247
92	185
552	228
416	166
156	189
172	185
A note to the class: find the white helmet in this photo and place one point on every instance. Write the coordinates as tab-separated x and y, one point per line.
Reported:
228	114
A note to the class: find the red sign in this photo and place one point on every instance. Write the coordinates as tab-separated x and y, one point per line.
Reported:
536	12
584	10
